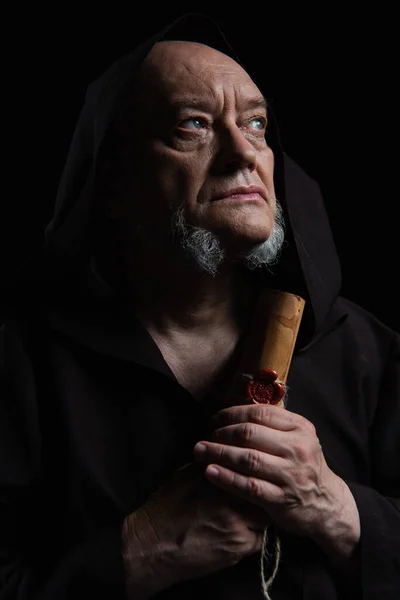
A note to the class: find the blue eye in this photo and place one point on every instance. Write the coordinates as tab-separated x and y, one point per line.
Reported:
260	123
198	123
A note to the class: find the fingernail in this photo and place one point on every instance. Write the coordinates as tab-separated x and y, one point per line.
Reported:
212	471
200	448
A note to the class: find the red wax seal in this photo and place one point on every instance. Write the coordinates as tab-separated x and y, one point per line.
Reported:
264	389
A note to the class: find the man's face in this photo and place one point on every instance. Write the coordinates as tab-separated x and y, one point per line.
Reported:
197	134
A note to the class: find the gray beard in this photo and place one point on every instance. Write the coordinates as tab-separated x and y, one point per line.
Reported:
203	248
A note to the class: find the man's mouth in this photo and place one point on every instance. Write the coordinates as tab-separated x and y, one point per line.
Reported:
242	193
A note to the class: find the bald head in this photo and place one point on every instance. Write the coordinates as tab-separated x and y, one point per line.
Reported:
163	54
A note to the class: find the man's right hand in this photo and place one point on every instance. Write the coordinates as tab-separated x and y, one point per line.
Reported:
187	529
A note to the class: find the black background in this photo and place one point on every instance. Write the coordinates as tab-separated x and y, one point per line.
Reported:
330	76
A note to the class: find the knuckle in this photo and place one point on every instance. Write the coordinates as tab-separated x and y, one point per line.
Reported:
300	452
219	452
307	426
254	488
235	479
241	541
252	461
246	431
281	497
289	499
260	414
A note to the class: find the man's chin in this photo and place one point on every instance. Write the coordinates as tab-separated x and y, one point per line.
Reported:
238	245
212	250
237	242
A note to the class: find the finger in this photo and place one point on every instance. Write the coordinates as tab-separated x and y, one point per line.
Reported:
254	490
247	461
268	415
251	435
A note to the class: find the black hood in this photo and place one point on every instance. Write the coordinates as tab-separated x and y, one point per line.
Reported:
309	263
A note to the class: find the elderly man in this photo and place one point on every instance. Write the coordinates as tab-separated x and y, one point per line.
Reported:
123	456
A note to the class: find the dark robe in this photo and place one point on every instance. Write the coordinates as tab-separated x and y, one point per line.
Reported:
92	420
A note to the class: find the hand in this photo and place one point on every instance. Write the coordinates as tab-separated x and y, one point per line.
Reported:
272	457
189	529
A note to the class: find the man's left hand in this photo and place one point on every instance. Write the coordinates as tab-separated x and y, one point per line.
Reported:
272	457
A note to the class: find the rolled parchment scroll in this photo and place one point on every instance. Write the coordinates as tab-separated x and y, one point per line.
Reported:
269	345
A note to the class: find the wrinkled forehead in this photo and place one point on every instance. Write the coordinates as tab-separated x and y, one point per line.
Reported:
175	71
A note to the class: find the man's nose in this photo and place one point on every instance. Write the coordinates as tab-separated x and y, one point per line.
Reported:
235	152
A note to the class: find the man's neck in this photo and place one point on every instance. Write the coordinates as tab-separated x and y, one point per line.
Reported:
183	300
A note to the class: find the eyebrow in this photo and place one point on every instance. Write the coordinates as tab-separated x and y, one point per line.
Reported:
259	102
206	105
